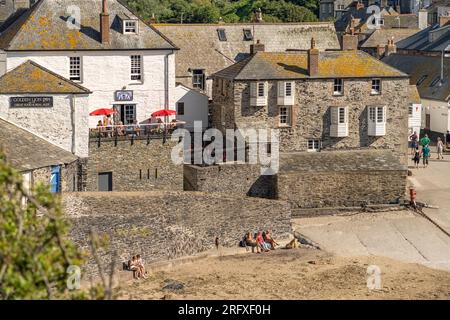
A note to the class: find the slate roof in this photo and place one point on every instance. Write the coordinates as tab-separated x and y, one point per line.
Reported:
420	66
30	77
200	47
381	36
293	65
420	41
44	27
25	151
348	160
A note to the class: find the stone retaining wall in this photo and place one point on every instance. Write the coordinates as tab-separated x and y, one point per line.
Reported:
162	225
135	165
231	178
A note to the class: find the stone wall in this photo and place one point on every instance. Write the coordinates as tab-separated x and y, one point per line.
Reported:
335	179
135	165
68	180
162	225
311	115
230	178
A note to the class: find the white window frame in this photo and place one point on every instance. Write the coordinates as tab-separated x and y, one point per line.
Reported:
339	121
338	87
76	69
376	118
410	110
374	84
136	70
130	29
198	79
258	93
313	145
286	93
285	116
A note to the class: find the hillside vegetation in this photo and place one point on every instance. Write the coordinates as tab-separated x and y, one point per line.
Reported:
210	11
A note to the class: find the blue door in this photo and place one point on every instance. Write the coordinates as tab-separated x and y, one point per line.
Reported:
55	179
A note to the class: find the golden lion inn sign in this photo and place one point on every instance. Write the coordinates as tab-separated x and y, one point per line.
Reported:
31	102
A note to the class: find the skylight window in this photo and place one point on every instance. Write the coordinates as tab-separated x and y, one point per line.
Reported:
222	34
248	36
421	80
435	81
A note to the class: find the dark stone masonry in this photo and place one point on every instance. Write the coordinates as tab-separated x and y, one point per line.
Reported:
230	178
163	225
135	165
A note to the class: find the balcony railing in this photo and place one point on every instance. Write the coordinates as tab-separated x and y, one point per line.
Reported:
133	132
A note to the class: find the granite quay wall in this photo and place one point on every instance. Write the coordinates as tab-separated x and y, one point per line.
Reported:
230	178
135	165
163	225
334	179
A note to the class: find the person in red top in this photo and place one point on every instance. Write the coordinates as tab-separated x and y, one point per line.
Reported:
260	241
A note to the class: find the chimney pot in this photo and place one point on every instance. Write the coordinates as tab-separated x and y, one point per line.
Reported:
153	18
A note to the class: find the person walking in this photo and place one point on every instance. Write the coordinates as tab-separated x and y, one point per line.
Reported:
425	155
413	144
425	141
440	149
416	158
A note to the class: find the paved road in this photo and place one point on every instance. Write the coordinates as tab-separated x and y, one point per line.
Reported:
400	235
433	187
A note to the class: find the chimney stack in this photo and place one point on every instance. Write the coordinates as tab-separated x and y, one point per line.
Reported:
104	24
390	47
257	47
423	19
258	16
443	20
153	18
350	41
313	59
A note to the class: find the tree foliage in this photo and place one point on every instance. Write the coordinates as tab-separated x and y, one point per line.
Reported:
34	250
210	11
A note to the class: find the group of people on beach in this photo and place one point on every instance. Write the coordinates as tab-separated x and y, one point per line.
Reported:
262	241
425	152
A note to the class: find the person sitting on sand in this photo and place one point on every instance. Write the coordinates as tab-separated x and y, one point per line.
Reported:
251	242
135	268
260	241
140	265
268	239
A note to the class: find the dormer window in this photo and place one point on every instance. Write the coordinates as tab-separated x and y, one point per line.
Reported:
130	27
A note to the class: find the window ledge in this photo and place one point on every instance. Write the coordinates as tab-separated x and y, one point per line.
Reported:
136	83
336	94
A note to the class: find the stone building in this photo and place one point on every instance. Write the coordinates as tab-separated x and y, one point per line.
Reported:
327	101
208	48
51	165
9	9
126	63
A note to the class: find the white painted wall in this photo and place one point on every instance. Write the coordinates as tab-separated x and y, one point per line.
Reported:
195	106
415	120
104	72
55	125
439	115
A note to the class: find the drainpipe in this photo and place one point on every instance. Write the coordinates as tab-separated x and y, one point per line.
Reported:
72	121
166	90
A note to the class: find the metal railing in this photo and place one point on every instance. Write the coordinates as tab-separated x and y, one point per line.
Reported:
133	132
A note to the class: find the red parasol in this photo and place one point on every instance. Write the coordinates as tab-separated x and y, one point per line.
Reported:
163	113
102	112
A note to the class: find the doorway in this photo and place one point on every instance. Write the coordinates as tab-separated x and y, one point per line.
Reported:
125	113
105	181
